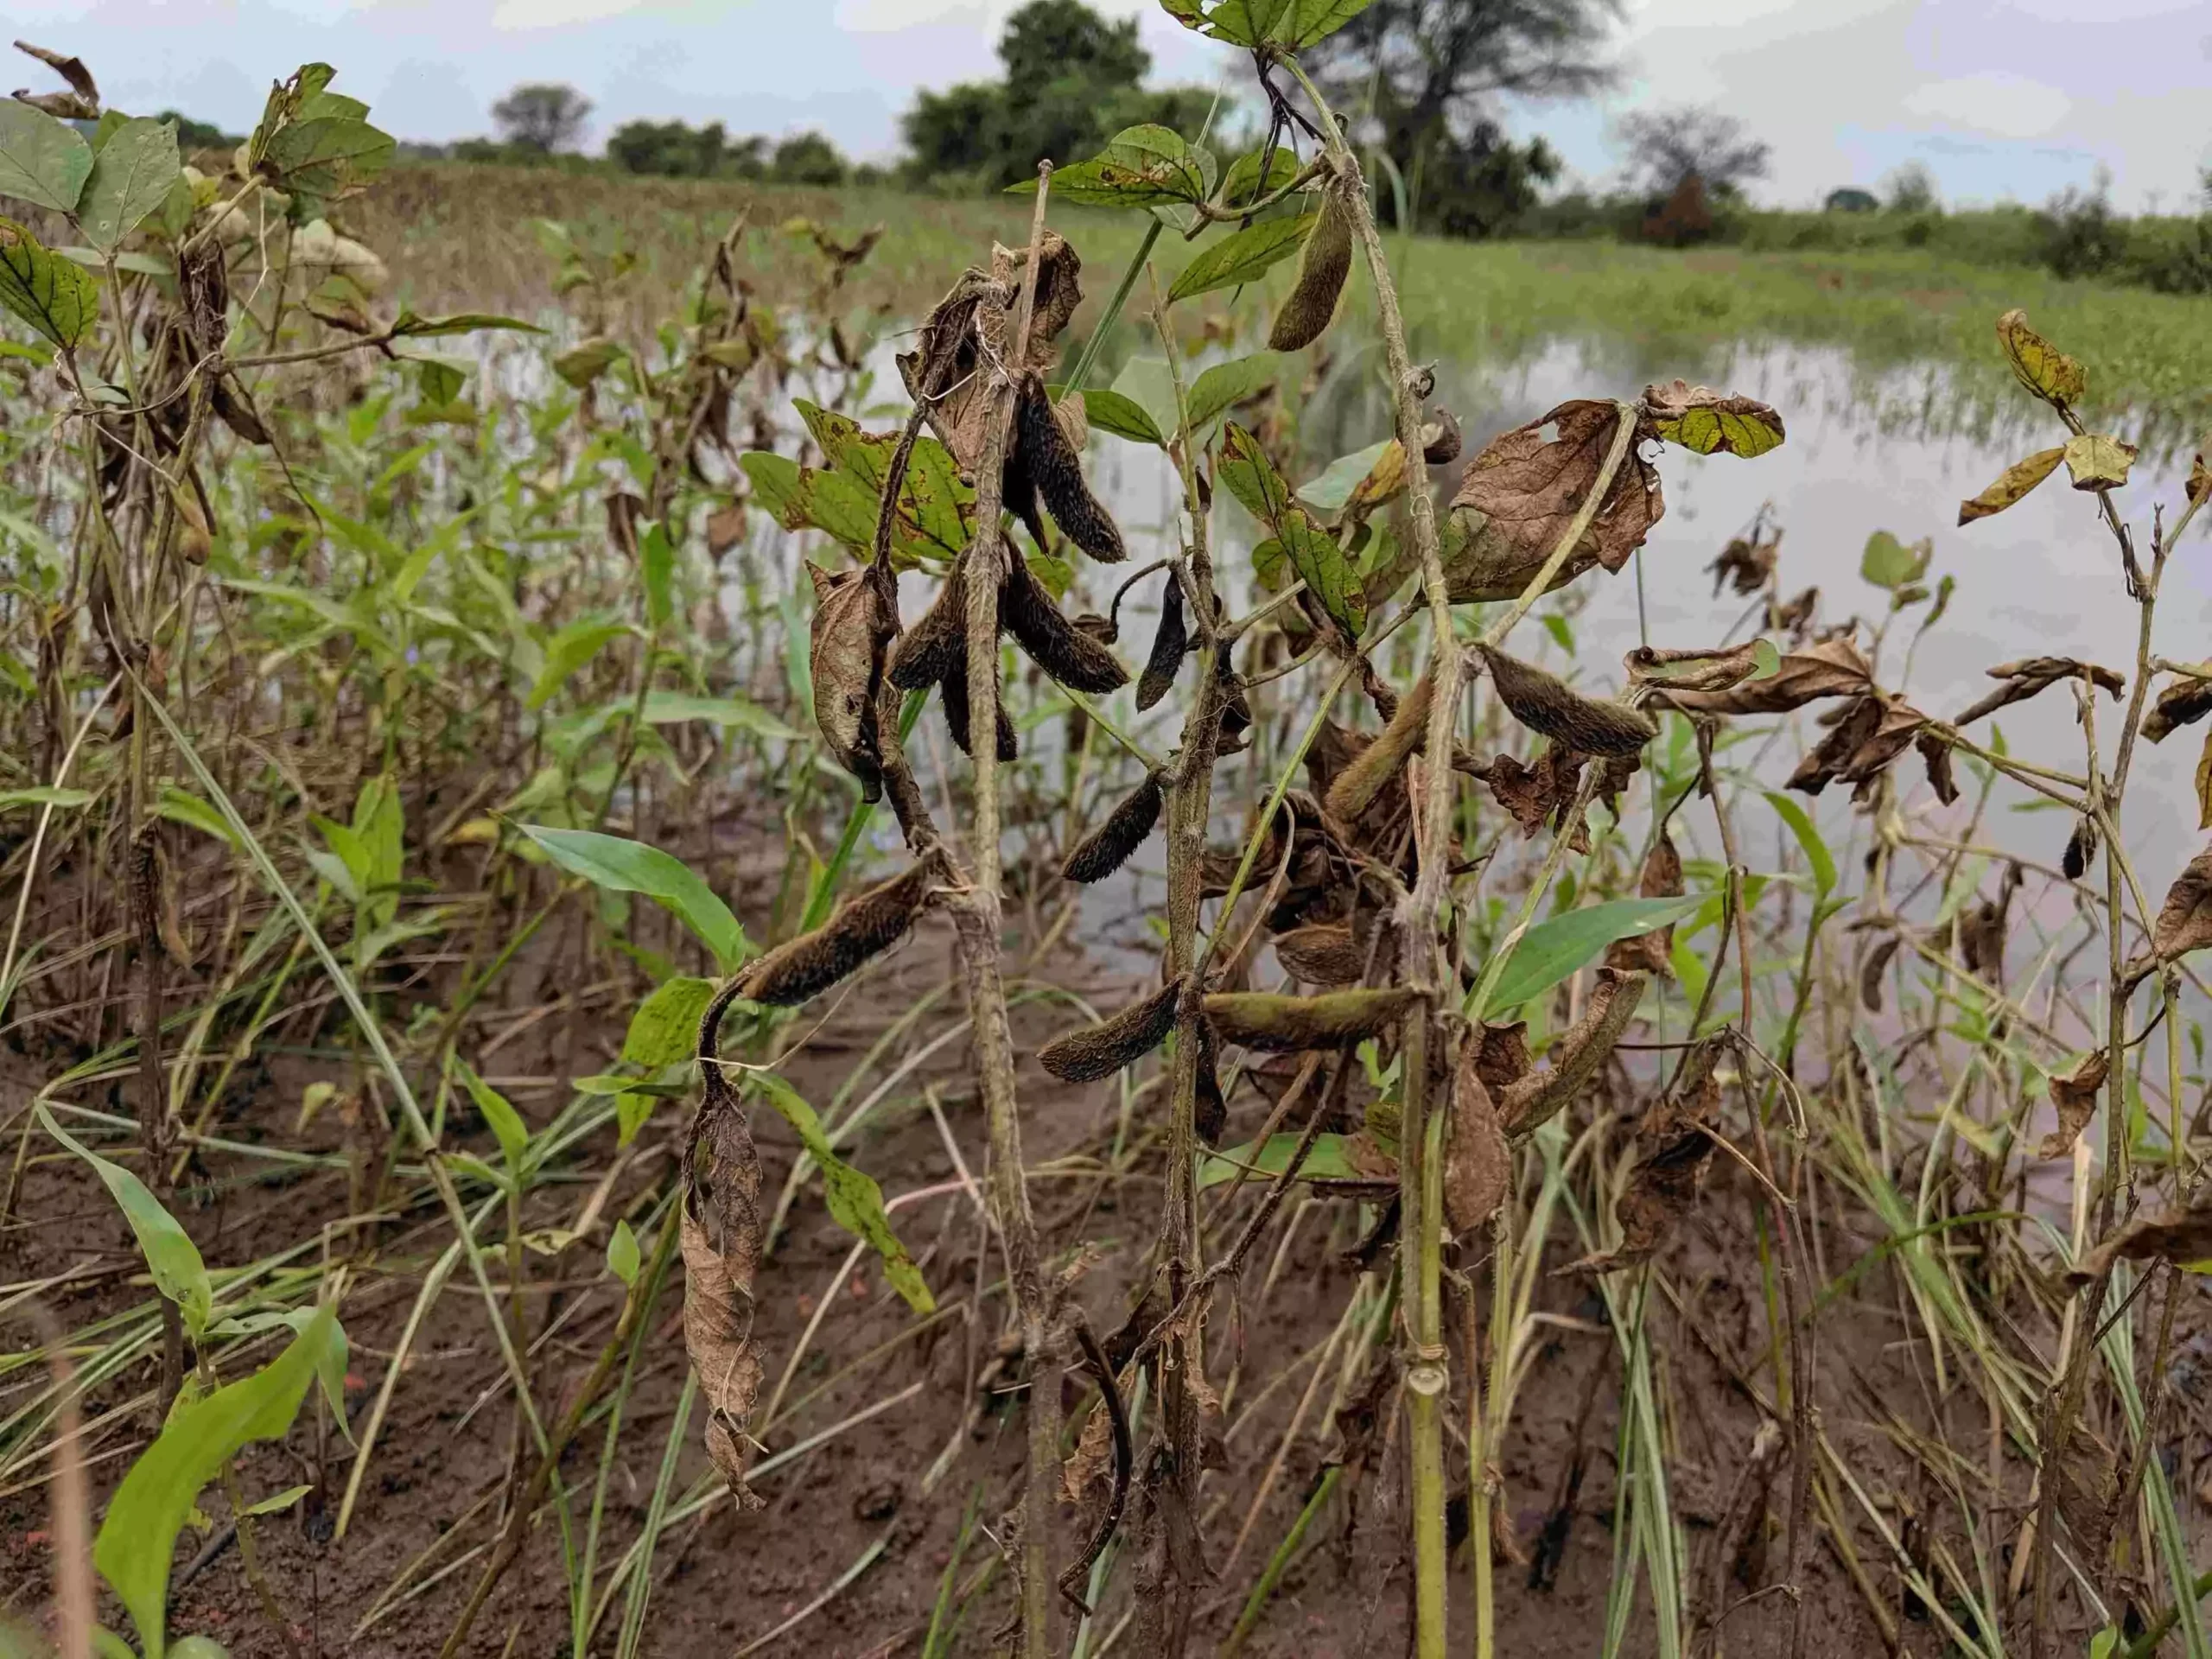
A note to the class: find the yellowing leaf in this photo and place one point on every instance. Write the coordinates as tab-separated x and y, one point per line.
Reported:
2099	460
2014	482
2042	367
1705	422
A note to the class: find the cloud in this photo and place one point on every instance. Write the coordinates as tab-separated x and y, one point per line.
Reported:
1994	102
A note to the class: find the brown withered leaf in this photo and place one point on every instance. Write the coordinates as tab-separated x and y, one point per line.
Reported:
1794	616
1981	931
2032	674
2185	701
71	69
1526	1102
2184	921
1831	668
2074	1094
1871	970
2081	848
2013	484
2181	1234
854	621
1527	491
1744	565
1532	794
1652	952
1478	1163
1935	755
1502	1059
1848	731
2204	784
1680	669
1709	422
1899	727
2198	490
720	1242
1675	1140
725	527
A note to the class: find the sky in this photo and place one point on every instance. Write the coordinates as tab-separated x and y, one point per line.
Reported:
2001	99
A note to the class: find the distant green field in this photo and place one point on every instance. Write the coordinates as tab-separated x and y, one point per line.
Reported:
458	234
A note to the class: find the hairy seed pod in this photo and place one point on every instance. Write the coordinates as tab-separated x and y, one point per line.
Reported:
1264	1020
1211	1115
1328	953
865	925
953	695
1018	491
1440	439
1100	1051
1054	644
1549	706
1372	770
1323	265
1055	469
1104	629
926	649
1527	1101
1106	848
1169	646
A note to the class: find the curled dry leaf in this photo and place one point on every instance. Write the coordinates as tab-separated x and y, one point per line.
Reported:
855	619
862	927
2030	674
2184	921
1981	931
1549	706
1477	1162
1676	1143
1324	263
719	1237
1935	755
1527	1101
1707	422
1534	794
1831	668
1652	952
1440	439
1522	491
1372	770
2073	1094
1265	1021
1100	1051
2186	700
1676	668
1743	565
2181	1234
2013	483
1107	847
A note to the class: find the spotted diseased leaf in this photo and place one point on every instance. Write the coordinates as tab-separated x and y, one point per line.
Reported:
1251	475
2074	1094
719	1235
854	621
1140	167
2013	484
2097	460
1521	492
1706	423
54	296
1258	173
2041	367
326	158
2184	922
132	174
1327	574
1243	257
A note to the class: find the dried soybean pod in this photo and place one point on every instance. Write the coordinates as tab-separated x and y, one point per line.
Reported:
1549	706
1211	1115
1018	491
2080	850
1169	646
1264	1020
938	640
953	693
1054	644
1374	766
1106	848
1100	1051
863	926
1323	265
1328	953
1526	1102
1054	467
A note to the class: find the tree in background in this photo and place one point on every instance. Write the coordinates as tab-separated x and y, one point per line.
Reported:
807	158
1428	74
1669	147
1072	79
1912	189
542	117
192	135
